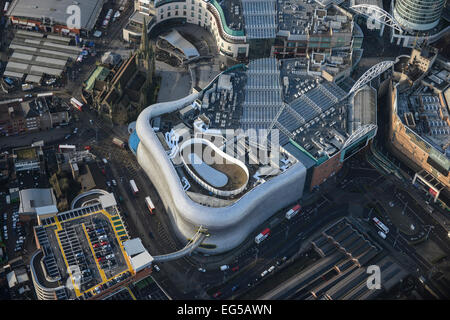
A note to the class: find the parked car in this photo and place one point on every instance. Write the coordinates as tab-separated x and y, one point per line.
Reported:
217	294
155	266
201	270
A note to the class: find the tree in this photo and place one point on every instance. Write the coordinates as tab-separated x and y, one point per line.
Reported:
121	115
64	185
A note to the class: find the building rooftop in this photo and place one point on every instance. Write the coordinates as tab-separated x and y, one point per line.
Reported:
57	10
311	119
32	199
69	243
233	14
300	18
424	110
260	18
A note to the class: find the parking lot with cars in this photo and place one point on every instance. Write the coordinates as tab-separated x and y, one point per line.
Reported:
13	232
87	248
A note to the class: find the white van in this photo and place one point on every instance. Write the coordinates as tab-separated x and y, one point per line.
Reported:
224	267
382	234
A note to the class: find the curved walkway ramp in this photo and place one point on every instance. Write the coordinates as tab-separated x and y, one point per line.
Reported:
191	246
85	194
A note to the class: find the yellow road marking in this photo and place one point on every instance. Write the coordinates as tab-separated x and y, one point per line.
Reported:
100	270
58	224
130	268
77	290
131	293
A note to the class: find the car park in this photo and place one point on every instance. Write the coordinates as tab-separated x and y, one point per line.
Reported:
104	265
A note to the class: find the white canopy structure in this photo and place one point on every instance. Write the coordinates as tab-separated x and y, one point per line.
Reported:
176	40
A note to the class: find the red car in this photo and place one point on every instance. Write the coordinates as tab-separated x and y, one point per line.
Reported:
101	259
235	268
87	148
217	294
96	245
104	172
104	243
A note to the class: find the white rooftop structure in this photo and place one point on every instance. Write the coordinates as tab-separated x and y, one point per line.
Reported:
107	200
137	254
225	82
31	199
141	261
175	39
33	79
52	209
133	247
57	10
12	280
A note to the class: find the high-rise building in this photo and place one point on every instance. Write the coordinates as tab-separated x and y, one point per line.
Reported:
418	15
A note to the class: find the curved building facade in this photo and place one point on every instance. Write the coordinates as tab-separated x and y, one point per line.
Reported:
419	15
45	287
207	14
228	225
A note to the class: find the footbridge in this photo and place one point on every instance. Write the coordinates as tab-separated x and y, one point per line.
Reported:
193	244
